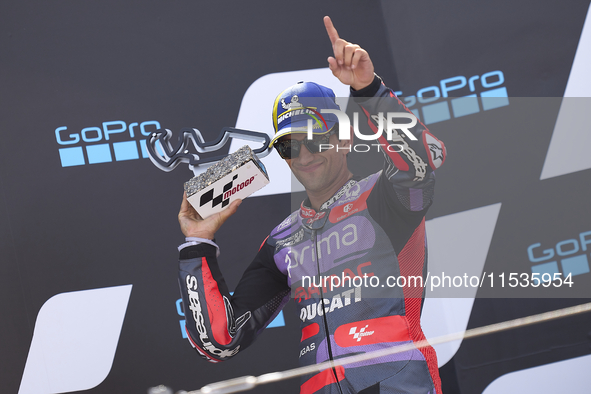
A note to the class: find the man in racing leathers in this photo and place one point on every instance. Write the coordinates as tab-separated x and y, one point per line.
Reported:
349	228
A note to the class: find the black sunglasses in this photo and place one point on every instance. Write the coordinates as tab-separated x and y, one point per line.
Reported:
290	148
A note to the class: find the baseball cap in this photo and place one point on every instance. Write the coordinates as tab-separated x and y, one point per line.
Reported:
300	102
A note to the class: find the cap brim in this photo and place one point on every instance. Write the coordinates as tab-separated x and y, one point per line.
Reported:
295	130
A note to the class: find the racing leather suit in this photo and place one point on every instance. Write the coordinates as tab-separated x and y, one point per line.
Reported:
369	233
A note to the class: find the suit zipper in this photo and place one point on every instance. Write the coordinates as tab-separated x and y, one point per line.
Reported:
326	331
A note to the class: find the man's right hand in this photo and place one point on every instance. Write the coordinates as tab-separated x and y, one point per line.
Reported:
193	225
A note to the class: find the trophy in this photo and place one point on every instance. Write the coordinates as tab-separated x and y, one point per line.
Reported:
217	180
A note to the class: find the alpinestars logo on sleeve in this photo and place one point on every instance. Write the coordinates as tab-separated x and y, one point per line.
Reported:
436	152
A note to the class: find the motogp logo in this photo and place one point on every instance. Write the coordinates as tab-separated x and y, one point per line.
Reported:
224	197
361	333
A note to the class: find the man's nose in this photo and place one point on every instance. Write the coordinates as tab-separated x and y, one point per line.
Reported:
305	154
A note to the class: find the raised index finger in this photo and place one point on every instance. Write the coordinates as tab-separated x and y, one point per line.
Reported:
332	32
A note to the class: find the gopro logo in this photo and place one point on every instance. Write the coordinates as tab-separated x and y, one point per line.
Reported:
94	145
